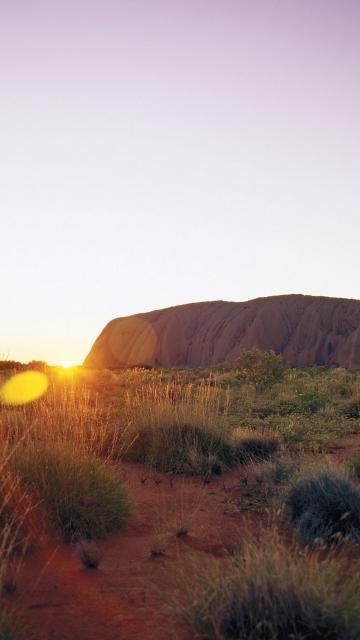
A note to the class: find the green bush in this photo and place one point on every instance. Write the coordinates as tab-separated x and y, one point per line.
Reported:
307	403
260	368
82	495
351	409
269	592
324	506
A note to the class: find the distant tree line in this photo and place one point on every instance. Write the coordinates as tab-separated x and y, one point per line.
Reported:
14	365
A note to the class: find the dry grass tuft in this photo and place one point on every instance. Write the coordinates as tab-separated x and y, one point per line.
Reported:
180	429
82	495
324	505
270	592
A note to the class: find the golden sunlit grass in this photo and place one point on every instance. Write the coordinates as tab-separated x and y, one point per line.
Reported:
179	428
112	416
53	447
184	428
270	591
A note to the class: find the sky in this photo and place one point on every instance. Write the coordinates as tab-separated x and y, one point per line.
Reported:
157	152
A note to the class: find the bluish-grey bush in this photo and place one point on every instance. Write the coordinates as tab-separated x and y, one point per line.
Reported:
324	505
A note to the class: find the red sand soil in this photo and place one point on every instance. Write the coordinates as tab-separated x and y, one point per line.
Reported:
124	598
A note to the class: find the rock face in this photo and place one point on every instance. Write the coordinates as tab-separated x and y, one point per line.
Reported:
306	330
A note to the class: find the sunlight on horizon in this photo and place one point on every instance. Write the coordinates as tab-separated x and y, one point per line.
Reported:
66	364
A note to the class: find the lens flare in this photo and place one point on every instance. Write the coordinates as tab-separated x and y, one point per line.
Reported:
24	387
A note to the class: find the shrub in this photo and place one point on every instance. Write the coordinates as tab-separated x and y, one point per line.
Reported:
272	593
308	402
187	449
255	447
260	368
351	409
182	448
324	505
179	428
278	471
82	495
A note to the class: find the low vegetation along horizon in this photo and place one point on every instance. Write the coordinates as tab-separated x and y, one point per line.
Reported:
70	437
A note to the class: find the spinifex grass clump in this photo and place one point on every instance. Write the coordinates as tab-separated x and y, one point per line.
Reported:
180	428
255	447
278	471
270	592
324	505
183	449
81	494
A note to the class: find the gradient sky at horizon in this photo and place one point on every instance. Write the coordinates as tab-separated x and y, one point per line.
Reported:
157	152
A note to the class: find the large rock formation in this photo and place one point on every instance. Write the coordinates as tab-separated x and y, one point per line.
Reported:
306	330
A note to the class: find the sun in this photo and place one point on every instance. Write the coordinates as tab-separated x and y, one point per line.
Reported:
66	364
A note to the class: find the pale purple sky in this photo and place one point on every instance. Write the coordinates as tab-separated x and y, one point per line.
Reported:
158	152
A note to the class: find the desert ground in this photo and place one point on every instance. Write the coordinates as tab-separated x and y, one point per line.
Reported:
211	503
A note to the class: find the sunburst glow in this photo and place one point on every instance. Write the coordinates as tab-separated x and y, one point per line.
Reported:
66	364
